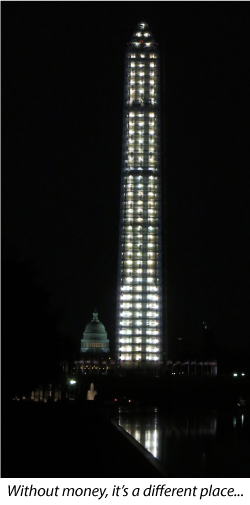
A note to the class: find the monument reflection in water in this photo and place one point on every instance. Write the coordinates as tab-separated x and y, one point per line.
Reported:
152	431
194	443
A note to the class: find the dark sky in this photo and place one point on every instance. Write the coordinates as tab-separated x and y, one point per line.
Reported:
62	99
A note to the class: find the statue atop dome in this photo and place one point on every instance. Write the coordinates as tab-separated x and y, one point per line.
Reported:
95	337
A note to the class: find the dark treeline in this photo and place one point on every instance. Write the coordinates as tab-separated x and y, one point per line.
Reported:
31	344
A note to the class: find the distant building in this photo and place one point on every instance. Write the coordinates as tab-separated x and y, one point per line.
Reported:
95	337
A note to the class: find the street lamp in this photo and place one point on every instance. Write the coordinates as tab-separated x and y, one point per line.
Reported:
72	391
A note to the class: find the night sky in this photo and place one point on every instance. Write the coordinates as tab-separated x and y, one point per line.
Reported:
62	108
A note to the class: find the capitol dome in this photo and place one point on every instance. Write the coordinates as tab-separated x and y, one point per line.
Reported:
95	336
95	326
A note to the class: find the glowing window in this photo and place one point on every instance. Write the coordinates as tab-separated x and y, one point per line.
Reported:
125	357
126	314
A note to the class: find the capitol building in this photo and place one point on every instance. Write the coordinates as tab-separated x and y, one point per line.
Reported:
95	337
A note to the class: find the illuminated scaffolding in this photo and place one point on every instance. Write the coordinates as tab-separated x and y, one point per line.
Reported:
139	327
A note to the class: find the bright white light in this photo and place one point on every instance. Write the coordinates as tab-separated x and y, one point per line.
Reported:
125	357
152	349
125	322
125	340
72	382
153	306
127	348
151	314
152	297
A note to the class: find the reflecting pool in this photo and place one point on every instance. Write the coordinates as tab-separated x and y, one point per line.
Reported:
193	443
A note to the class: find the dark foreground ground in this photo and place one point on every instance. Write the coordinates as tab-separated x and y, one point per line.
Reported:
70	440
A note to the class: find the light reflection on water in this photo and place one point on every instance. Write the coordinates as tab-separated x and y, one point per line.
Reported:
192	444
145	431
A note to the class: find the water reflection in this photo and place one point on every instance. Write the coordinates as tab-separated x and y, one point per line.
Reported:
192	444
147	429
